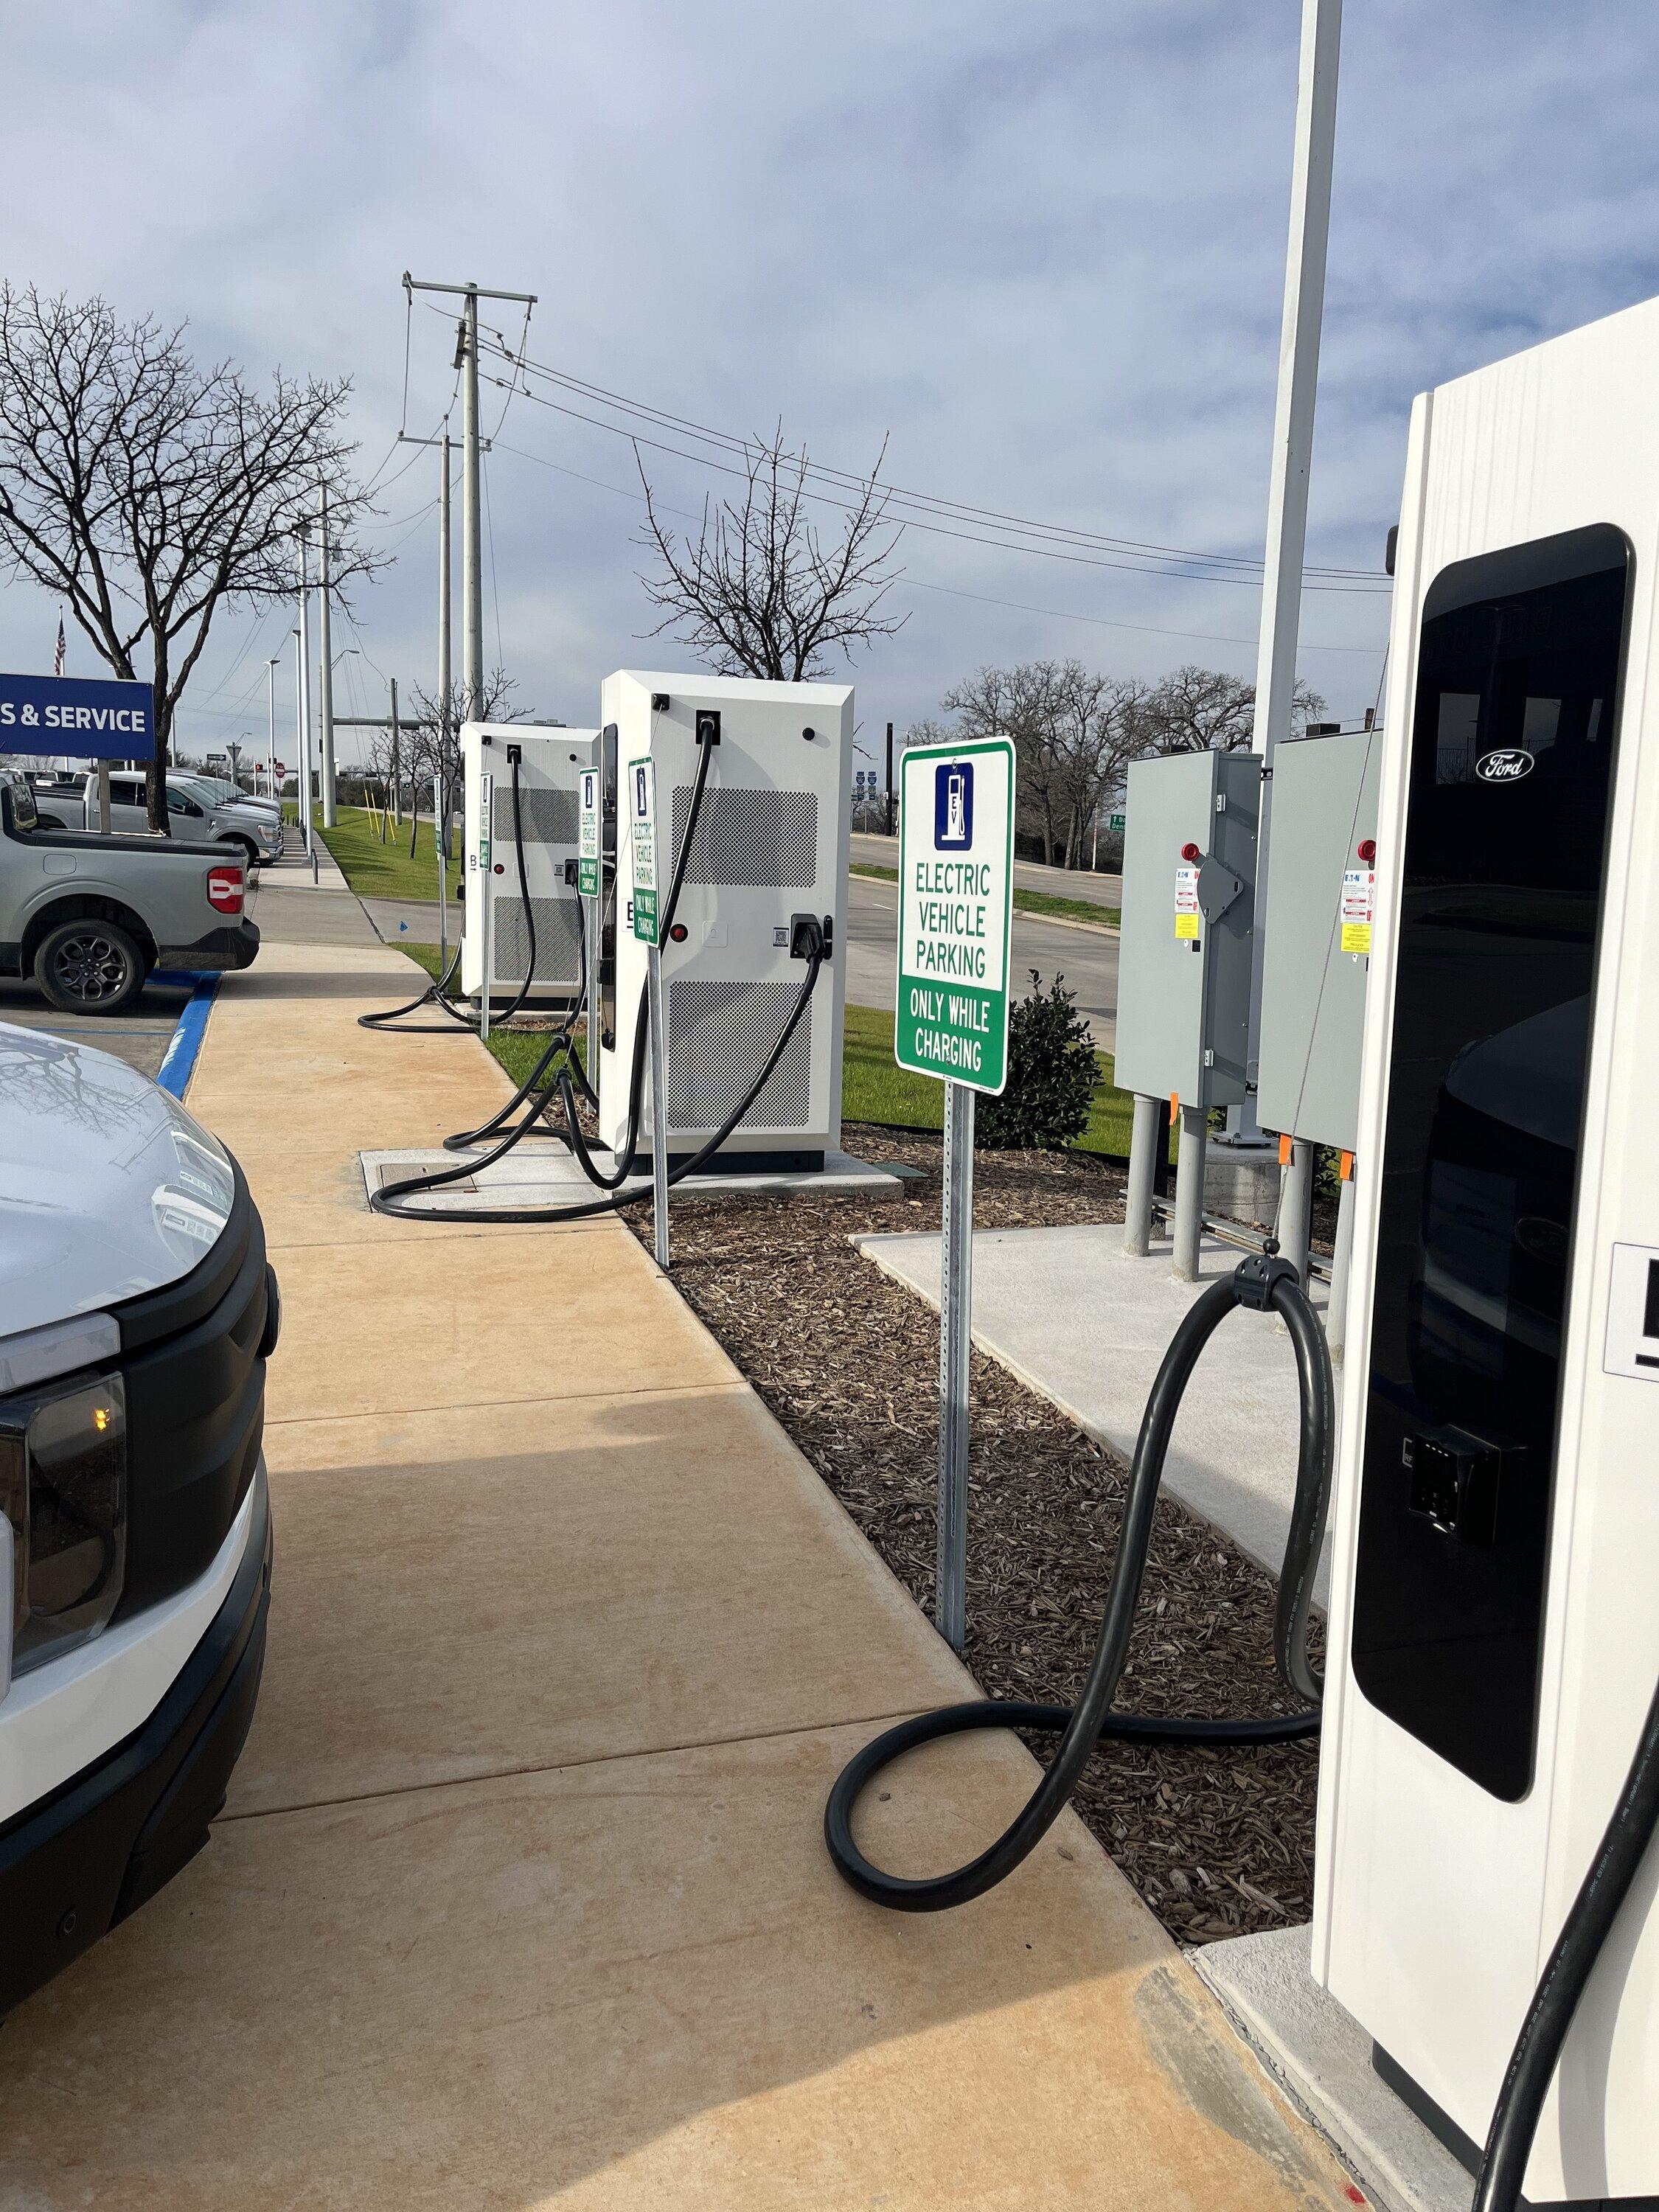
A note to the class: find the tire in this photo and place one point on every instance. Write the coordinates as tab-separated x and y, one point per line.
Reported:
246	848
89	966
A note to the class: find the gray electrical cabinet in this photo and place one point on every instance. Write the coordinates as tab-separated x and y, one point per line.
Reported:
1184	992
1321	885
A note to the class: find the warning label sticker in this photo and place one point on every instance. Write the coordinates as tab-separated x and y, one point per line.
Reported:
1359	909
1187	915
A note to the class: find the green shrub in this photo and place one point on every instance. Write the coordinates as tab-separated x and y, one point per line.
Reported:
1052	1074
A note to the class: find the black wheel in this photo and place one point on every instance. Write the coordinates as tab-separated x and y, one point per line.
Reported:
89	966
246	848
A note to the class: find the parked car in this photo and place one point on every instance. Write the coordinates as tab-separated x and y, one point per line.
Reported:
256	837
57	797
137	1311
223	793
89	917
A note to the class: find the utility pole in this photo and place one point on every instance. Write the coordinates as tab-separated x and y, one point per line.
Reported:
271	744
891	825
471	518
326	673
1292	452
466	359
302	687
444	589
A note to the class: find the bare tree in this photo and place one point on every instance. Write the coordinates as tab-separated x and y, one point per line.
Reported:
430	751
149	493
1025	703
1099	731
760	592
1198	710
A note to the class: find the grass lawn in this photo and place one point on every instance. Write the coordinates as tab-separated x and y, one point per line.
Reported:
872	1088
375	870
1034	902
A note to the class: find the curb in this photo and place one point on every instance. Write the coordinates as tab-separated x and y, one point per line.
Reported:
178	1062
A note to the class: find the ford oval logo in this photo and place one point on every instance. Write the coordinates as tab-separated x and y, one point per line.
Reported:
1507	766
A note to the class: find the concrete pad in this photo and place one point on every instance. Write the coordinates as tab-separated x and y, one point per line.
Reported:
544	1171
636	1985
1063	1310
1322	2058
376	1329
506	1587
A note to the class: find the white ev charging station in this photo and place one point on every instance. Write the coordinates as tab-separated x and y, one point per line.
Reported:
497	943
769	847
1494	1634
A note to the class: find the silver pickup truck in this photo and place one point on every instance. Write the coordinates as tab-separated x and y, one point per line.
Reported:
90	917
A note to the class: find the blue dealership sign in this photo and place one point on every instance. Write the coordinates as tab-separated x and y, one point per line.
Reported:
87	718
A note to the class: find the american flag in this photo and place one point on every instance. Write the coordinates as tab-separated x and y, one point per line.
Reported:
62	648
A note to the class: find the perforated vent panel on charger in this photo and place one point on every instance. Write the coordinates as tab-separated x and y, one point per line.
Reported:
719	1034
549	816
558	938
750	840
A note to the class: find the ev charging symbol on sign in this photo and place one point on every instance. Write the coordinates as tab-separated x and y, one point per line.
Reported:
643	810
587	849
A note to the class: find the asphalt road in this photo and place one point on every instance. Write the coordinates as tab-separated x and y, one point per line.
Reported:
1087	960
140	1036
1029	875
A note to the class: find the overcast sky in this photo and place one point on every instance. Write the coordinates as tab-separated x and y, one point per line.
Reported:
1039	249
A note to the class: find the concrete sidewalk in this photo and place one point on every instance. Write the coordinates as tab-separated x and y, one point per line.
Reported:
521	1899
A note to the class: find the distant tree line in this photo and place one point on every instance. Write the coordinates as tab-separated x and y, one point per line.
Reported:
1076	732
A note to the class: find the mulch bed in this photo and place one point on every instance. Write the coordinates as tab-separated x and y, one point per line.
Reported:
1219	1843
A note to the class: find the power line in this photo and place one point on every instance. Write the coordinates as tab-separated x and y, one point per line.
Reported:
1198	636
919	583
1138	549
1132	566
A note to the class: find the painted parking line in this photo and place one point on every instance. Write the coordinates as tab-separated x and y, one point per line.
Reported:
178	1062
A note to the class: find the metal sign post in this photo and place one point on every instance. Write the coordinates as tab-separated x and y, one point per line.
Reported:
588	873
956	903
486	859
642	812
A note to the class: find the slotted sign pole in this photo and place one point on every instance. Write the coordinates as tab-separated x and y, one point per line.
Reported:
951	1021
642	786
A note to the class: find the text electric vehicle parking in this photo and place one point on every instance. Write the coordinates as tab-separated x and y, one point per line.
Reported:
136	1314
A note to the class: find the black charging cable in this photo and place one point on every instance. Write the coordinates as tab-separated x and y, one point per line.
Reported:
1265	1283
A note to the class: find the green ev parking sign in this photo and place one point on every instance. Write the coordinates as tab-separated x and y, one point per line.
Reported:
956	897
587	848
642	814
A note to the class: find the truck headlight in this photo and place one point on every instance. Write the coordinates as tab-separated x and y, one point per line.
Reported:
63	1491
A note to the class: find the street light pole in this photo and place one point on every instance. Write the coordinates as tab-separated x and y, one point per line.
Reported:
302	687
1292	453
270	747
326	660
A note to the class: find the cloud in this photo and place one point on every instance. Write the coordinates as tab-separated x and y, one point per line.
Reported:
1040	249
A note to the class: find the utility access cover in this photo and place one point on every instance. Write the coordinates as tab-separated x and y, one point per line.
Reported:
955	896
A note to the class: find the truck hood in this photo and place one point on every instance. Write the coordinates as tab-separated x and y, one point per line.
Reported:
107	1188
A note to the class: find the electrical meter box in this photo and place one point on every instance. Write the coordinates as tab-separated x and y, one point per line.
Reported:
770	844
1184	992
1318	919
550	765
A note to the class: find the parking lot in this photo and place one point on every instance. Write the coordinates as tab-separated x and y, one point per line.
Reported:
140	1036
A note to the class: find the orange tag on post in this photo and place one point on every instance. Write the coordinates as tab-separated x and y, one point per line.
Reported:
1284	1152
1175	1108
1347	1167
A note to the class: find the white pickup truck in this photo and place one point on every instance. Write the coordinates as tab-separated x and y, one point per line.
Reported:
136	1314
